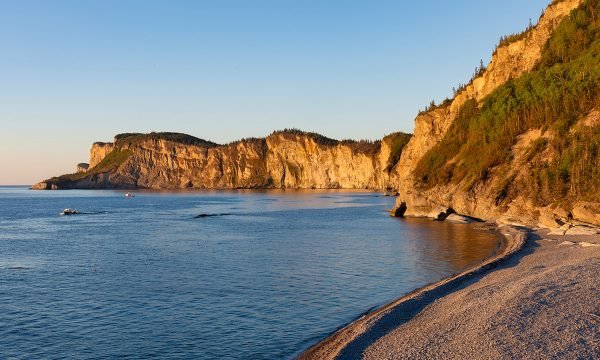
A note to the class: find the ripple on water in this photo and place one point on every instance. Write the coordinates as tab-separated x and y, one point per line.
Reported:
145	279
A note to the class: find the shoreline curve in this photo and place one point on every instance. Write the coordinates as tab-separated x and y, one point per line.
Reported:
358	334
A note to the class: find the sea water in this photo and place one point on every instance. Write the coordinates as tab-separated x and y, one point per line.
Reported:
259	275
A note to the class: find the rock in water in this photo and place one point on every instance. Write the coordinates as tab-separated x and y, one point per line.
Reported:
459	219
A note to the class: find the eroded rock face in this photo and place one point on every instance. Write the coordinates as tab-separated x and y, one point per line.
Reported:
165	164
282	160
509	62
459	219
587	212
302	163
414	204
41	186
82	167
98	152
582	230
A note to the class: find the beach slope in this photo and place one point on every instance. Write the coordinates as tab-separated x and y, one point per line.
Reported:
542	302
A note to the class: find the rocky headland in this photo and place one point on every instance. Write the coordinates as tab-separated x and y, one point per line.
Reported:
518	146
501	149
285	159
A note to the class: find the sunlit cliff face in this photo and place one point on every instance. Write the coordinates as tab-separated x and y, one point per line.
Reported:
510	61
282	160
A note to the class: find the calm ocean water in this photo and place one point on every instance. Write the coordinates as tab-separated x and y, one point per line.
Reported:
143	278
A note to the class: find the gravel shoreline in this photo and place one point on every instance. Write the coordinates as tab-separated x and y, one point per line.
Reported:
352	340
538	298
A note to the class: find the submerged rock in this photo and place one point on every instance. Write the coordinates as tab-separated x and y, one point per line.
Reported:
211	215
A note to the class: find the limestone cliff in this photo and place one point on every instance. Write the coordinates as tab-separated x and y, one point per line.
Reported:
519	143
98	152
285	159
502	189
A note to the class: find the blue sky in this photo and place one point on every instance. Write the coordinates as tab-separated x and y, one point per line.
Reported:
75	72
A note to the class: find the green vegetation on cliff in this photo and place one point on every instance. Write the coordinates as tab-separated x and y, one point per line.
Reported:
111	161
288	158
509	39
368	147
180	138
562	89
397	141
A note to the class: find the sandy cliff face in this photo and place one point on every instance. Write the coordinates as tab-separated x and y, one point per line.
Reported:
509	62
98	152
282	160
300	162
166	164
303	160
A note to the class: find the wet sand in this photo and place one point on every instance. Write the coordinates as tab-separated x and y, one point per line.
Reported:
538	298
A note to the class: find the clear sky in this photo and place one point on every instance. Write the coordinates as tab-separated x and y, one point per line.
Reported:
75	72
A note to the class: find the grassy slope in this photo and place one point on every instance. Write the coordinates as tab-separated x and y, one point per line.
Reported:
398	141
562	89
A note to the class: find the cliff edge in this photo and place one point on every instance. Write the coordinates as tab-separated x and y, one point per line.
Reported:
284	159
520	143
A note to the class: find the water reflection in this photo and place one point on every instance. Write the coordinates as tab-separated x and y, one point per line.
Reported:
146	279
449	242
